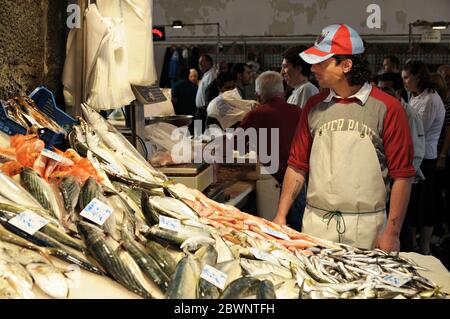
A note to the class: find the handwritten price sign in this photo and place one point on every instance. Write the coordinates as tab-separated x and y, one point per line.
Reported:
273	233
214	276
29	222
396	280
97	211
169	223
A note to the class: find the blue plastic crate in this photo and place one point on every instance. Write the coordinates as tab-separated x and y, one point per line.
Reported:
45	101
8	125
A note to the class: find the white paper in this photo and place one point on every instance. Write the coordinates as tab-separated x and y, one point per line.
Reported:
214	276
113	168
97	211
274	233
52	155
29	222
396	280
169	223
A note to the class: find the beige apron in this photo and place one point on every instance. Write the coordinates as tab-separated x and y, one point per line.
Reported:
346	197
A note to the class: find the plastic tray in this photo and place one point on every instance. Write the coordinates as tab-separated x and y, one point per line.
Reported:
45	101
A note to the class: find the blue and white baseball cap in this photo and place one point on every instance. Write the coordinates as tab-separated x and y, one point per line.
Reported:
334	39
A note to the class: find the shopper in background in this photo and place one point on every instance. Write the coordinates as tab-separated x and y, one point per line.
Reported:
274	113
225	82
193	76
444	71
351	141
393	85
213	91
296	73
442	190
391	64
428	104
205	64
243	75
184	92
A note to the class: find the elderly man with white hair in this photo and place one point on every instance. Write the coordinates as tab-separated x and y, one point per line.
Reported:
274	114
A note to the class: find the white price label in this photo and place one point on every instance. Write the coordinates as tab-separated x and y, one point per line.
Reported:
29	222
113	168
214	276
169	223
396	280
274	233
52	155
97	211
262	255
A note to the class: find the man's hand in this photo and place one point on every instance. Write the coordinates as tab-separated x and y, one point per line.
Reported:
440	164
279	220
388	242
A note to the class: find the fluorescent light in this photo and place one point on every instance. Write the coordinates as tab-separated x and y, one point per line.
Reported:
177	24
440	27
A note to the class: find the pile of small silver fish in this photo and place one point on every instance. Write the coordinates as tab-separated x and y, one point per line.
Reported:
133	248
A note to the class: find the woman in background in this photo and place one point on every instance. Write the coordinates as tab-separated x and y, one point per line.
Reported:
426	101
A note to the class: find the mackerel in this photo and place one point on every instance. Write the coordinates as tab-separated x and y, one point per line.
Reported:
106	256
41	191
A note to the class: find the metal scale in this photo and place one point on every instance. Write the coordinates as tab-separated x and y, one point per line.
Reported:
146	109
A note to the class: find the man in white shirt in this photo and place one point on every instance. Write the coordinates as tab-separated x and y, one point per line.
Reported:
296	73
206	65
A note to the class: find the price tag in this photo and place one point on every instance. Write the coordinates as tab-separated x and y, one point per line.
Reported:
262	255
214	276
113	168
274	233
169	223
396	280
97	211
29	222
52	155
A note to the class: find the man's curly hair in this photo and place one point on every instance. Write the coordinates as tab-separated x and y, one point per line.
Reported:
360	72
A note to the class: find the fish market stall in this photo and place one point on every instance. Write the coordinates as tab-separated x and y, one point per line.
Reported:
90	217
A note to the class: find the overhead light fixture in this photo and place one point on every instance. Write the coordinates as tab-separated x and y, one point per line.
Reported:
441	25
177	24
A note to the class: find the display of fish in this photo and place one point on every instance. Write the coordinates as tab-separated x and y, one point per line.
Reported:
156	258
133	160
105	255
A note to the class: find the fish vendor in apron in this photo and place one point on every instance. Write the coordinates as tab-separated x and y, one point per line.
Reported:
352	140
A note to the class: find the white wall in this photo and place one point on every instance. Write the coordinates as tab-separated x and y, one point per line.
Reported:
294	17
266	20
